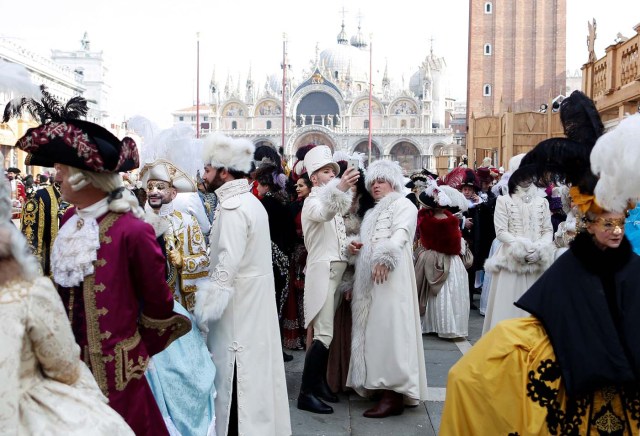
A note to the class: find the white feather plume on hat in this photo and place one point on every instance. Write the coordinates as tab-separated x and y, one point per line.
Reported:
221	151
614	159
178	144
385	170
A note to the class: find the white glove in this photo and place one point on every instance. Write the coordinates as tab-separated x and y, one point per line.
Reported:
532	257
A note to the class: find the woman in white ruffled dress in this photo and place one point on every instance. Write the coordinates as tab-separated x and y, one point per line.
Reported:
46	389
441	263
523	225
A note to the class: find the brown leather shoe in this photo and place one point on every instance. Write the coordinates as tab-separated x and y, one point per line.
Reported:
391	404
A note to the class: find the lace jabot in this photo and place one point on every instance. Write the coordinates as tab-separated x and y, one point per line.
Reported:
526	194
75	248
232	188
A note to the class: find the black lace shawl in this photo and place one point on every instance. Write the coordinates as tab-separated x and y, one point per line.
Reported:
589	304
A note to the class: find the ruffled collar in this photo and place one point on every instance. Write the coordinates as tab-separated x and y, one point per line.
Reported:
95	211
232	189
164	211
525	194
76	246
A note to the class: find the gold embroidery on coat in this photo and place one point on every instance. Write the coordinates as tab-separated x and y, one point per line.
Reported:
127	369
96	359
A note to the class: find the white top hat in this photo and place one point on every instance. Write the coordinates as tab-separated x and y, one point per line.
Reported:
318	157
163	170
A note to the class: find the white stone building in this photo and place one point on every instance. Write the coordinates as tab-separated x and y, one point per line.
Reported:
330	106
66	74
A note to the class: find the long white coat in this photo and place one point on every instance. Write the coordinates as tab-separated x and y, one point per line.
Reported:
322	225
386	348
238	307
523	224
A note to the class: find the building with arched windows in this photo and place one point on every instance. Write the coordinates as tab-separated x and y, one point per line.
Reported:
330	106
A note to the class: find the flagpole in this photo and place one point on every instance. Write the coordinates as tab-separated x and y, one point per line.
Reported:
370	91
198	85
284	84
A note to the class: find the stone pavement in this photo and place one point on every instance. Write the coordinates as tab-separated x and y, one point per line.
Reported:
347	419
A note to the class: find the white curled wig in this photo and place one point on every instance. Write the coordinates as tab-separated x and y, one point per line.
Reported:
387	170
121	200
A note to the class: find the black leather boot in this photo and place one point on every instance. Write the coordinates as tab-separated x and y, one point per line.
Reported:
311	375
322	389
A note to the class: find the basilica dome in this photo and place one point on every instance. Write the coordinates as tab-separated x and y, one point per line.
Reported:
343	59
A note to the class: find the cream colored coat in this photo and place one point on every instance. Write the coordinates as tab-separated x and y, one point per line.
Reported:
322	226
237	306
523	224
46	388
386	347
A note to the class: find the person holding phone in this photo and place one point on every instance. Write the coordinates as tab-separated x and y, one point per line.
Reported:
326	241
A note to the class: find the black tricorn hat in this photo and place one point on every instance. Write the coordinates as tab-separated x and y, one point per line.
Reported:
79	144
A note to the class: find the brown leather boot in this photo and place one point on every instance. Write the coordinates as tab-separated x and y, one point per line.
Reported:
391	404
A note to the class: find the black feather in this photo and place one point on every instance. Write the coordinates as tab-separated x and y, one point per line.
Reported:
580	119
567	160
47	109
560	160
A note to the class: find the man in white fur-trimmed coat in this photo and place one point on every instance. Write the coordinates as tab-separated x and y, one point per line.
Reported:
236	304
386	342
326	242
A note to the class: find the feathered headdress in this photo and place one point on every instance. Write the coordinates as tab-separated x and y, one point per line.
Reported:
298	166
442	196
177	145
615	159
47	109
567	160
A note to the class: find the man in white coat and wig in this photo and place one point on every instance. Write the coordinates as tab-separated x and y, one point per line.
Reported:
236	305
326	242
386	338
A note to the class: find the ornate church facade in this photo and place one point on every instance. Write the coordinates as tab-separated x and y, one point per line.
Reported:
330	106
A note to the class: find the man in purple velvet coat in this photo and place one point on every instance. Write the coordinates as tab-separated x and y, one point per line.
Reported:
106	263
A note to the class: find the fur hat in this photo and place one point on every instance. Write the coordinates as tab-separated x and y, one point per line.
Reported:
318	157
221	151
385	170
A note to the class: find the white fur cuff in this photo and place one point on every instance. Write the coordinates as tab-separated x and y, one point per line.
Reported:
211	301
334	199
386	253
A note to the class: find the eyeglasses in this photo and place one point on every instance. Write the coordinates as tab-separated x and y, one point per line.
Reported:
610	224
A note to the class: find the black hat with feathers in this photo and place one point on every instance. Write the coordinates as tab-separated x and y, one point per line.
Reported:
65	139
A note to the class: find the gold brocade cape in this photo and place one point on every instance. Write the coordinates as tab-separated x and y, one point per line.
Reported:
509	383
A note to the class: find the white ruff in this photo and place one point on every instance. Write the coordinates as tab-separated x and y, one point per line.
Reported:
74	251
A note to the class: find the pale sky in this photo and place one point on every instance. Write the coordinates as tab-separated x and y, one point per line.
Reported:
150	45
